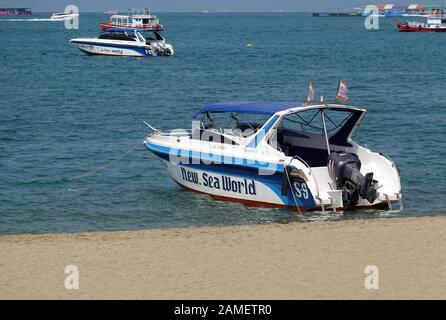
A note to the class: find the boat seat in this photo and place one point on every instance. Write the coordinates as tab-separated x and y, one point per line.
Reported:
247	126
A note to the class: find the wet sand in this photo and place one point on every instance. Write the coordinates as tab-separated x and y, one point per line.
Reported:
321	260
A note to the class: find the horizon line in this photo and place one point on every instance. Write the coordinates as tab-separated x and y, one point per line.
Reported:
209	12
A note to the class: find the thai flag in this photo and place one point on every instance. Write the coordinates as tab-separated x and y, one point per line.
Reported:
342	93
310	92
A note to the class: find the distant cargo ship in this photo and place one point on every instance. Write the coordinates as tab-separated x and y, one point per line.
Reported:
388	10
15	11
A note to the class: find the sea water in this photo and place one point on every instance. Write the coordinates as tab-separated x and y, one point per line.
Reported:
71	125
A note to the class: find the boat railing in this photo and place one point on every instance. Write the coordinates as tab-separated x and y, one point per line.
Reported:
177	133
139	12
301	160
437	16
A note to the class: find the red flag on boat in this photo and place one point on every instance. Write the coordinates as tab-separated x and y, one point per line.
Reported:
310	92
342	93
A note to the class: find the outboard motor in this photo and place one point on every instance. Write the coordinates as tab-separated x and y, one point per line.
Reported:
161	49
344	169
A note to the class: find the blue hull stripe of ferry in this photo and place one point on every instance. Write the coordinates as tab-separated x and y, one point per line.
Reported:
273	182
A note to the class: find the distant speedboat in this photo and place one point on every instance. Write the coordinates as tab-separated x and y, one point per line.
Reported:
110	12
63	16
278	154
125	42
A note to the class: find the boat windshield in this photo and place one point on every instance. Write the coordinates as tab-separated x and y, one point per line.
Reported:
118	36
149	21
233	123
302	133
151	35
311	121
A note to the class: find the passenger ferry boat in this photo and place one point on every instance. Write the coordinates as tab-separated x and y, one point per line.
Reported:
279	154
435	23
138	18
126	42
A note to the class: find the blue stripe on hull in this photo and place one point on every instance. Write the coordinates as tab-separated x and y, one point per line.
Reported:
273	181
115	55
192	156
138	51
100	44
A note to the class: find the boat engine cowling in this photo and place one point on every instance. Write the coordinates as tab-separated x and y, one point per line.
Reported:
161	49
344	169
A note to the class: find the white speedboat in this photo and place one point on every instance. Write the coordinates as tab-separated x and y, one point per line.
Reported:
61	16
279	154
126	42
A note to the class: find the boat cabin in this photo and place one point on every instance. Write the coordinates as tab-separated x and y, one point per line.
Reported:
131	35
437	21
309	132
122	34
134	20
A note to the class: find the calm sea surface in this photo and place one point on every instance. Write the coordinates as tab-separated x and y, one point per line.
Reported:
64	114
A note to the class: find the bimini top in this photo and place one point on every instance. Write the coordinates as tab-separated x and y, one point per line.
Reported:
252	107
123	30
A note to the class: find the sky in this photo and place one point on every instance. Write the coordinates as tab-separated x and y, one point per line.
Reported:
198	5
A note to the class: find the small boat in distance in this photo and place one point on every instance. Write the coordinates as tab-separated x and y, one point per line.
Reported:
111	12
278	154
126	43
434	23
336	14
15	11
141	19
61	16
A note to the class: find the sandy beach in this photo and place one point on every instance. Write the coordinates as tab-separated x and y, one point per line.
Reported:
321	260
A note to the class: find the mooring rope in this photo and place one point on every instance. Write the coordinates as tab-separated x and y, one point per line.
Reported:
53	48
291	188
106	165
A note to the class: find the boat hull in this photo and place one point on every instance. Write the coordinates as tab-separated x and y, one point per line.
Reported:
108	50
248	188
247	182
237	183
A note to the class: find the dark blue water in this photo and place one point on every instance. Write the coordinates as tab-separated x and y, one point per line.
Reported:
64	114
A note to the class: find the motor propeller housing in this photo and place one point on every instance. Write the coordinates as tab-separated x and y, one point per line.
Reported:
344	169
